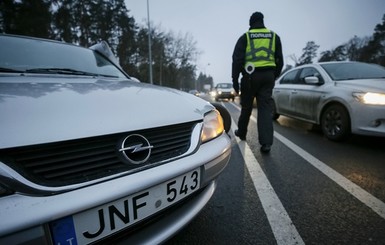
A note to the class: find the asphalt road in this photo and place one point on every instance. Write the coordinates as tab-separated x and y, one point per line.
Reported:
308	190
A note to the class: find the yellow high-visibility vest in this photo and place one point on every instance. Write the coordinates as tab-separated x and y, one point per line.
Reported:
260	49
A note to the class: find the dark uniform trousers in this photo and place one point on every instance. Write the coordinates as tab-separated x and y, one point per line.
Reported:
258	85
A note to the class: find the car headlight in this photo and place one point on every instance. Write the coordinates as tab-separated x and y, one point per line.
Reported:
219	92
212	126
370	98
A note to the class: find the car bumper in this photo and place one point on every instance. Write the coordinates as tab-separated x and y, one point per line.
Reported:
225	96
26	218
368	120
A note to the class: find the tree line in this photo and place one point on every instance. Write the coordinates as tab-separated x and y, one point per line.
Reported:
174	56
85	22
365	49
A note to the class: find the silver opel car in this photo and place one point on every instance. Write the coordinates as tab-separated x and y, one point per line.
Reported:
89	154
342	97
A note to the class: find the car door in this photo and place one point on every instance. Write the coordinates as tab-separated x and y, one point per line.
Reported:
306	98
282	93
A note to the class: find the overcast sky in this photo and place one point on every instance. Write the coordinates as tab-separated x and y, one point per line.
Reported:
216	25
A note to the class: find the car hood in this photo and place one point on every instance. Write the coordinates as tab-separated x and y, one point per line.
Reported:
35	110
225	89
364	85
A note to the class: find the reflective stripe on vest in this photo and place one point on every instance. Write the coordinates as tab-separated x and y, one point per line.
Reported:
260	50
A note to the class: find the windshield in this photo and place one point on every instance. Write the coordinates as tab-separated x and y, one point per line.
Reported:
353	70
224	85
39	56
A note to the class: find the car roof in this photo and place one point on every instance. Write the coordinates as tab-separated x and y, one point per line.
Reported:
318	64
328	62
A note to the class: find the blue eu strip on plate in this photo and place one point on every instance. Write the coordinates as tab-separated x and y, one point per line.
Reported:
63	231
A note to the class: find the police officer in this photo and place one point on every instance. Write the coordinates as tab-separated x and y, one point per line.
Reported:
258	56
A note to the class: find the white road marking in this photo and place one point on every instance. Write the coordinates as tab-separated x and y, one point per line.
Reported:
365	197
283	228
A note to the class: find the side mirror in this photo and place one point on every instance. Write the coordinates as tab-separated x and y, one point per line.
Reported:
312	80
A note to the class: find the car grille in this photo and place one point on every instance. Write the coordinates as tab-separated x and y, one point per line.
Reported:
82	160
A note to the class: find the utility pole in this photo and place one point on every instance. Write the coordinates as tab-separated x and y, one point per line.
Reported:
149	42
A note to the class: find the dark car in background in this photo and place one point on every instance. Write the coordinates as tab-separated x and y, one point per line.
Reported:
89	154
342	97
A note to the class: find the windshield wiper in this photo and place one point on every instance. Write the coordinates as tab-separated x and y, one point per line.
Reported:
3	69
66	71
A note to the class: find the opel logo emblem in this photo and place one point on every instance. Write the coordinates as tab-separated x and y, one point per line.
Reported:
135	148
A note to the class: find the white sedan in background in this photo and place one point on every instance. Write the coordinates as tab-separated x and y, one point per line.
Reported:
342	97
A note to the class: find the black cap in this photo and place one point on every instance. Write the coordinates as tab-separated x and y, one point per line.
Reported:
256	17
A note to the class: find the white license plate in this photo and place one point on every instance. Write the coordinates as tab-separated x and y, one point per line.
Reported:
102	221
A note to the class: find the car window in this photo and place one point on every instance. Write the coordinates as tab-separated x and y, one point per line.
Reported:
224	85
309	72
290	78
353	70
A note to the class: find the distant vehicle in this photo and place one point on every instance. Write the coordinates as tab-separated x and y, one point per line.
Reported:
342	97
224	91
89	154
194	92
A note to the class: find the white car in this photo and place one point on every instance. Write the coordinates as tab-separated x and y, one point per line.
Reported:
342	97
88	154
224	91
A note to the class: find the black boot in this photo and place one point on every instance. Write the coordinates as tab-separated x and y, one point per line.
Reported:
240	137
